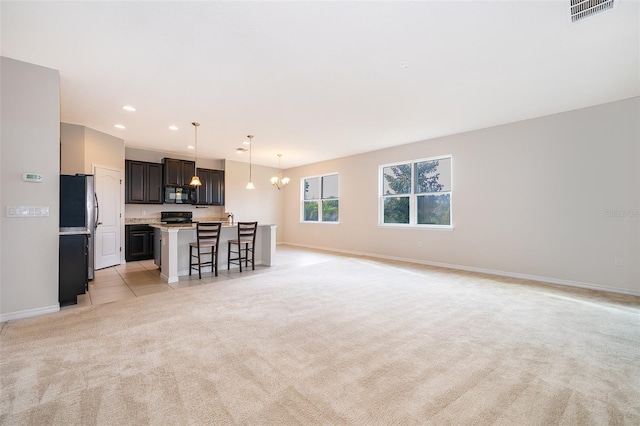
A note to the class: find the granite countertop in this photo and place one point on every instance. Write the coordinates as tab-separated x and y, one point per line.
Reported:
175	225
188	226
156	220
74	231
141	221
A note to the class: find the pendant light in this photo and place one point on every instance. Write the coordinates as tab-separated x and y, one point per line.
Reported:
250	183
278	181
195	180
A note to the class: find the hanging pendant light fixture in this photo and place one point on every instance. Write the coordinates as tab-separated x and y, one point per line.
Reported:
278	181
195	180
250	183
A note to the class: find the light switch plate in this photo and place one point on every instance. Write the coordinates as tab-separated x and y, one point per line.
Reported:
27	211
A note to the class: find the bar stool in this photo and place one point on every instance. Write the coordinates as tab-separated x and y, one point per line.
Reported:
247	239
207	242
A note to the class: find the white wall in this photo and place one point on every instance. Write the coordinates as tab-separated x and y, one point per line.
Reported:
157	156
71	149
103	150
529	199
82	148
263	204
30	142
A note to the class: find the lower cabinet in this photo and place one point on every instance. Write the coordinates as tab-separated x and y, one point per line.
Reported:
157	242
138	242
73	268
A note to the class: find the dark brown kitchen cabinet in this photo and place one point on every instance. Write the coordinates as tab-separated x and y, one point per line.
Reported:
211	192
139	243
143	182
178	172
73	268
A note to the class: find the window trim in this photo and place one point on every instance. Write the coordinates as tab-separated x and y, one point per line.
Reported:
319	200
413	197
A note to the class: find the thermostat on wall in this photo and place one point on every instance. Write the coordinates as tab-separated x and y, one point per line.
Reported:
31	177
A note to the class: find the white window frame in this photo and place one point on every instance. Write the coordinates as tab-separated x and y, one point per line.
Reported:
413	197
319	200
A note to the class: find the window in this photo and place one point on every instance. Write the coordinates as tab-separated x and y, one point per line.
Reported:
320	198
416	192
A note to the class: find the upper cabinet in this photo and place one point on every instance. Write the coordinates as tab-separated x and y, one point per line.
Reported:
178	172
211	192
143	182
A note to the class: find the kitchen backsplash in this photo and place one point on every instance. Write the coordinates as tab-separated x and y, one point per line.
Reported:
150	213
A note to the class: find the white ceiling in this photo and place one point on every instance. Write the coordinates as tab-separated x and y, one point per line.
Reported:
320	80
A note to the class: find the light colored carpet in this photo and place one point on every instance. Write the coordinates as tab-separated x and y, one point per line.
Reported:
339	341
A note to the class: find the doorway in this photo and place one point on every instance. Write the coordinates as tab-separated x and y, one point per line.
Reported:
108	186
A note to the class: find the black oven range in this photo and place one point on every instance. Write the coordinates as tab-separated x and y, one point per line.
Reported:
176	218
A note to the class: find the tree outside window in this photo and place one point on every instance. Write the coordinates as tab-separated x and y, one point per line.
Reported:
320	198
397	192
417	192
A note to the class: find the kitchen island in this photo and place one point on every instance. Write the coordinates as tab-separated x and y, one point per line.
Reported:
174	247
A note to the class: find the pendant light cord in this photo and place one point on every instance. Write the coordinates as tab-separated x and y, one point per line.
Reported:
195	158
250	163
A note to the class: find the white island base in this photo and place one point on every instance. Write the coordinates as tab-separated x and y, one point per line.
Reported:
174	246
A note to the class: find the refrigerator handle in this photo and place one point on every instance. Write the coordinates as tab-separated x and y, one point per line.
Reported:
97	211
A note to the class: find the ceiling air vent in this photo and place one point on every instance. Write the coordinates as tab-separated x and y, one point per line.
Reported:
581	9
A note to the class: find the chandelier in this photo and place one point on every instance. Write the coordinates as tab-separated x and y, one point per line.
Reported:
278	181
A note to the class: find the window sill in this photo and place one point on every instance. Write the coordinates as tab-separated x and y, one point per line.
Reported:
304	222
421	227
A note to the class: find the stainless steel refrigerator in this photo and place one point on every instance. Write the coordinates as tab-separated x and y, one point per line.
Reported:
79	209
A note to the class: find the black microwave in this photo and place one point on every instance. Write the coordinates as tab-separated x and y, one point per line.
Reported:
179	195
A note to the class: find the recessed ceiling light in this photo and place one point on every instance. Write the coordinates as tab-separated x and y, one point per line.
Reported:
128	108
246	143
241	150
173	127
119	126
190	147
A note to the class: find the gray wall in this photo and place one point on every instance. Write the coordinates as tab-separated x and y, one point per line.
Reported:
30	142
83	148
103	150
529	199
71	149
157	156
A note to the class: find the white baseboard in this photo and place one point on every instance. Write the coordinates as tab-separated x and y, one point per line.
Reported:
29	313
549	280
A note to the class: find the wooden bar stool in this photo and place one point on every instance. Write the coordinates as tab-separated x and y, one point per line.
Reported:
247	240
206	244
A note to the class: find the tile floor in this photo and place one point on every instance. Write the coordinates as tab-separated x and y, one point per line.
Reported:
135	279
